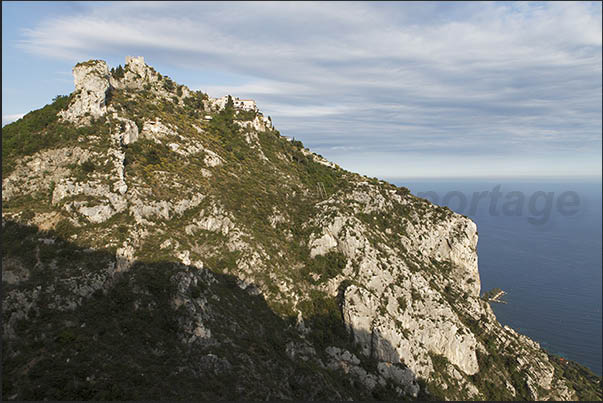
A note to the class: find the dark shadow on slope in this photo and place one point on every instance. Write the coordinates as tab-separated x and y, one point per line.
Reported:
120	336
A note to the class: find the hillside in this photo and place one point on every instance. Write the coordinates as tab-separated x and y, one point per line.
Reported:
162	244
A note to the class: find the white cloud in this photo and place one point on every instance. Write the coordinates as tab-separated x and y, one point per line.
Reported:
485	78
6	119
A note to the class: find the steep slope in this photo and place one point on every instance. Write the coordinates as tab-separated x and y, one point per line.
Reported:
159	243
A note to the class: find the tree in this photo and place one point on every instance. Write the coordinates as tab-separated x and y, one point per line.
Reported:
168	84
118	72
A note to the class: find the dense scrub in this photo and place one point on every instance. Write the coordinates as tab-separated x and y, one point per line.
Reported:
35	131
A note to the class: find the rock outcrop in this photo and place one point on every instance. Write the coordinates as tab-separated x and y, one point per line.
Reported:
91	86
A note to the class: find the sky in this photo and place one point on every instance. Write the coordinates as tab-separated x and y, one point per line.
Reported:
386	89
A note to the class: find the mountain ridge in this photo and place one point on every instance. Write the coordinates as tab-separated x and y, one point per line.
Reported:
373	287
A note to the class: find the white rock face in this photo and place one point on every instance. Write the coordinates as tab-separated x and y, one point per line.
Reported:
453	240
91	85
129	134
426	326
69	188
143	210
97	214
37	172
258	123
373	313
154	130
124	257
215	220
212	159
135	74
184	257
137	65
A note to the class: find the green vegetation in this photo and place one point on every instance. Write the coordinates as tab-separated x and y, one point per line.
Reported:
323	316
489	379
588	386
88	63
80	172
194	104
168	84
223	126
35	131
402	303
118	73
147	152
325	266
246	115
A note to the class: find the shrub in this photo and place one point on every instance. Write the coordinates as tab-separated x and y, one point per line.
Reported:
416	296
326	266
402	303
246	115
33	132
87	166
195	101
27	215
64	228
168	84
118	72
324	318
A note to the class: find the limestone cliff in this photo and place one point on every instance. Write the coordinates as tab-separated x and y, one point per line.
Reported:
189	250
91	86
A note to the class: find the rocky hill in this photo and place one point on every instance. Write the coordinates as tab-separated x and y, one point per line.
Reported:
158	243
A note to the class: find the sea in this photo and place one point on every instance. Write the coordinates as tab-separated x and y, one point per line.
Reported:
540	242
